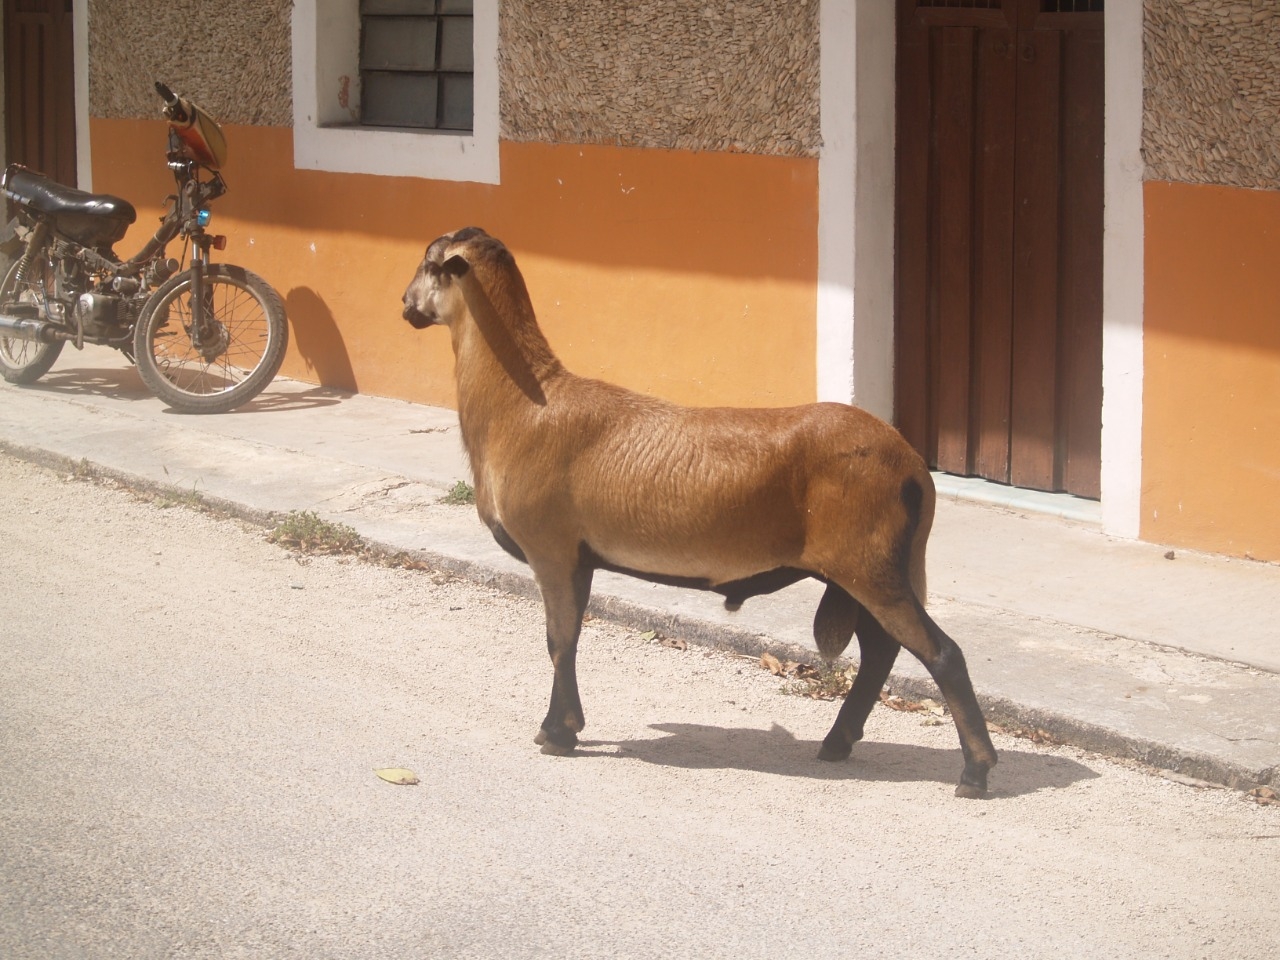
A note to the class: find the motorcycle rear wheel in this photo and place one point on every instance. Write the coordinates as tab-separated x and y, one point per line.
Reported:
244	347
25	361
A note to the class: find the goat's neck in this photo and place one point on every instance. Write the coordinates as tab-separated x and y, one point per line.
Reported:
504	365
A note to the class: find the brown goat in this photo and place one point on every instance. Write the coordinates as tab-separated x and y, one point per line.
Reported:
574	475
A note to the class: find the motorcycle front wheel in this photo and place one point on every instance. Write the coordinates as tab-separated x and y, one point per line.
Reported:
25	361
241	349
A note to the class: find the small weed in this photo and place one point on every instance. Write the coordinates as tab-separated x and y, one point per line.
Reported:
824	682
306	532
820	683
192	500
460	494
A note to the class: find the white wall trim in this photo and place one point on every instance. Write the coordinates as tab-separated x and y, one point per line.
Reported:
855	205
4	147
1122	273
326	77
837	171
80	55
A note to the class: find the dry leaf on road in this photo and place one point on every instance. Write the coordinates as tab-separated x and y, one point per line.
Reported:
772	664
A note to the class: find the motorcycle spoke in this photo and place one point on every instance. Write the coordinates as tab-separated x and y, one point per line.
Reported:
238	350
238	319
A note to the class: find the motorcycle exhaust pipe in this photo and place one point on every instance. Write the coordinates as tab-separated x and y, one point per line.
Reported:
40	331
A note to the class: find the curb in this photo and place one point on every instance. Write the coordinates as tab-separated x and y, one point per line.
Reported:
1184	765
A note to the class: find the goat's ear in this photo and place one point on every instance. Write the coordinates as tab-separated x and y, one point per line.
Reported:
455	266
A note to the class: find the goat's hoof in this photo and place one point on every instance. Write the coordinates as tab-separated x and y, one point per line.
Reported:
560	745
972	786
834	751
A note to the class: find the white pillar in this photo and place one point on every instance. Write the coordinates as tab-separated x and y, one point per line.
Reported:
1122	273
856	204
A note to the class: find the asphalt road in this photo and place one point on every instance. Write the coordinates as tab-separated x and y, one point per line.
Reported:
190	720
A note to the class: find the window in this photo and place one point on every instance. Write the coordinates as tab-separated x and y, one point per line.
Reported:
404	88
416	63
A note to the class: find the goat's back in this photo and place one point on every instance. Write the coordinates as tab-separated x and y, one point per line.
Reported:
715	493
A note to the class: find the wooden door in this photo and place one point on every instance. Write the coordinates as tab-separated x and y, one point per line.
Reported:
39	87
999	239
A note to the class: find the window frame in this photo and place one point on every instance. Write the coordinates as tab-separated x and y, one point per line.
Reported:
445	72
327	134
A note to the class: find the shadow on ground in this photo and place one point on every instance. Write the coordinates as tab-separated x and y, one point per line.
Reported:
125	384
777	751
121	383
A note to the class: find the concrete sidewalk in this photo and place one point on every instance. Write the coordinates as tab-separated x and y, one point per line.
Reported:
1104	643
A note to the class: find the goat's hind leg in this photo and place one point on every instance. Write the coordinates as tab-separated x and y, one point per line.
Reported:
910	625
878	651
564	595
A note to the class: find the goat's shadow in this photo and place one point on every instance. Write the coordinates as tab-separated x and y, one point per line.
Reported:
777	751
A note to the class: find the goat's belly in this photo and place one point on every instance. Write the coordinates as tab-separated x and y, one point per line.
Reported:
712	566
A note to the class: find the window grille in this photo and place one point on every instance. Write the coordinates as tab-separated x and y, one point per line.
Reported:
963	4
1046	6
416	64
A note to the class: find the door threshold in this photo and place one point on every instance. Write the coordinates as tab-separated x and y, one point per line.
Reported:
975	489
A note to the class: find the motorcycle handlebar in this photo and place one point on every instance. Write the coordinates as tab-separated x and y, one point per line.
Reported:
172	105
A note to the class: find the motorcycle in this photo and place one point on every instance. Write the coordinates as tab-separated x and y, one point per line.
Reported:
205	338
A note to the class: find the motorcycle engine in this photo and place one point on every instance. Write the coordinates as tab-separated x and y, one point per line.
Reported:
97	313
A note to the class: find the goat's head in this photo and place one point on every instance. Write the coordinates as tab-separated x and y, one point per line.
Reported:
432	295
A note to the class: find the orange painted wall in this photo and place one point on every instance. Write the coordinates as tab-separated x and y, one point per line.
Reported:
688	275
1211	395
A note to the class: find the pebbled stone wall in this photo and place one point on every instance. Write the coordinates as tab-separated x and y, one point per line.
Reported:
231	57
1211	102
727	75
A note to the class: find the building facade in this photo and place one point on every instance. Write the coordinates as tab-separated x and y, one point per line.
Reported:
1039	236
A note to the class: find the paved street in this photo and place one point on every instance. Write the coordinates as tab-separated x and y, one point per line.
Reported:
192	717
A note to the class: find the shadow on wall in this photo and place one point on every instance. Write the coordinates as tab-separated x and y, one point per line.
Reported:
318	340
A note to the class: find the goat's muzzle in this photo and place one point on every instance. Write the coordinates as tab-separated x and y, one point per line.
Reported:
417	319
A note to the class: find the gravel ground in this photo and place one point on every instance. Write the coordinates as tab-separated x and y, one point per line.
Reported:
190	719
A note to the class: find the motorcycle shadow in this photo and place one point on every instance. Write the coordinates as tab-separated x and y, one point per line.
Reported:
307	399
124	384
115	383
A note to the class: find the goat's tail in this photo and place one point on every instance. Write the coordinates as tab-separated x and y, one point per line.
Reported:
919	496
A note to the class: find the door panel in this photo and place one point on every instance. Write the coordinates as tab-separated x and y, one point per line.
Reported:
952	216
999	202
39	85
990	366
1032	444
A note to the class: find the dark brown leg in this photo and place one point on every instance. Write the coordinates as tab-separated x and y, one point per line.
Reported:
565	598
907	621
878	652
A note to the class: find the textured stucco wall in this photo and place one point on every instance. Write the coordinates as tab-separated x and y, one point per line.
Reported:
1212	92
727	75
732	75
231	57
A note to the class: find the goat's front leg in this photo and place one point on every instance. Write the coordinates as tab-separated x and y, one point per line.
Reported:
879	651
564	594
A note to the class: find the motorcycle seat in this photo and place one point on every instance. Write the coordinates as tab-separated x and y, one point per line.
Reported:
93	219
